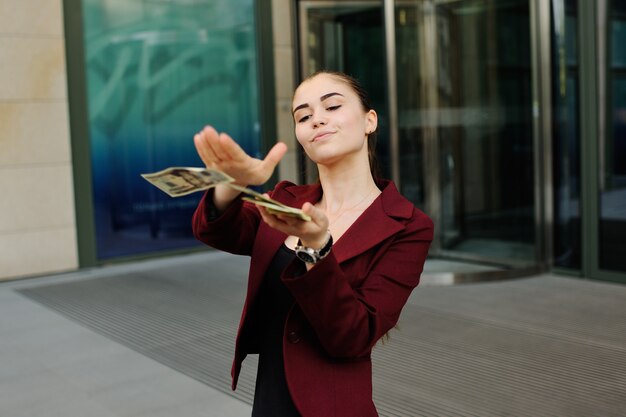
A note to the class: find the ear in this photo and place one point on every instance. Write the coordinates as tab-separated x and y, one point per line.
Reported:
371	121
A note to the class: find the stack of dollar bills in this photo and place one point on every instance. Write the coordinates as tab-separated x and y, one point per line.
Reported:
180	181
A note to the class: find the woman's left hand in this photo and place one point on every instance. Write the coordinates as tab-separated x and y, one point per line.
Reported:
312	234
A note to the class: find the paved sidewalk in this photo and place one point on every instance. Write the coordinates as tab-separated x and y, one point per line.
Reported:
51	366
155	338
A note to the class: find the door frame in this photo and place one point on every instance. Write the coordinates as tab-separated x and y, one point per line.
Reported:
592	21
541	129
542	133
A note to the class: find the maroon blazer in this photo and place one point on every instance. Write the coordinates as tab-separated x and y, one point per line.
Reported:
343	305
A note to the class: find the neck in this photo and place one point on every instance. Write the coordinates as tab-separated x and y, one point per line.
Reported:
345	186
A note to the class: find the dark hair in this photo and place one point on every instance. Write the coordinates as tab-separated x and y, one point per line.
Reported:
361	93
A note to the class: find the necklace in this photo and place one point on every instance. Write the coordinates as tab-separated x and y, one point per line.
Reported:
330	222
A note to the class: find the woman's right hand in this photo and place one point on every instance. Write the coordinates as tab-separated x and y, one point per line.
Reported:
220	151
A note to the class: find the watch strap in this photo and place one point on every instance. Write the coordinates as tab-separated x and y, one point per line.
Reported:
312	256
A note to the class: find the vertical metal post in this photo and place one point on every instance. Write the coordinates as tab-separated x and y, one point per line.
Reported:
392	89
79	132
542	132
601	32
588	110
429	106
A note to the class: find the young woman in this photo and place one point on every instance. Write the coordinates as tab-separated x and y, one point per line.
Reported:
321	293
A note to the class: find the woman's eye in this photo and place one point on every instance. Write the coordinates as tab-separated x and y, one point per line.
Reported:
331	108
303	119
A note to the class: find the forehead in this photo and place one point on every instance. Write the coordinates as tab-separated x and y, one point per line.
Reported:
311	90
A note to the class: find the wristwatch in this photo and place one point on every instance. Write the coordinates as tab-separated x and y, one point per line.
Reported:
313	256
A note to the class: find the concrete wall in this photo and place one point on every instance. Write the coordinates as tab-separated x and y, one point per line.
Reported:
284	59
37	226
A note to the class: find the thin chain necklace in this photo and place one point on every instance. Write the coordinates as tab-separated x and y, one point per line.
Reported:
350	208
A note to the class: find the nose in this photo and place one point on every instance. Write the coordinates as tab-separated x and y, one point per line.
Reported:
318	120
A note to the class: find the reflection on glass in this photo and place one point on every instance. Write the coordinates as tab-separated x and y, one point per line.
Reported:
156	73
465	122
566	143
613	154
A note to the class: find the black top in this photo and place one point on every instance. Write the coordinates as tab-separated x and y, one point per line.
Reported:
271	396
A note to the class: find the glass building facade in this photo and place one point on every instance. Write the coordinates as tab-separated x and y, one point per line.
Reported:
504	120
156	72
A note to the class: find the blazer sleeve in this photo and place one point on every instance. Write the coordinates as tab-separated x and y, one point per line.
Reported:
349	321
232	231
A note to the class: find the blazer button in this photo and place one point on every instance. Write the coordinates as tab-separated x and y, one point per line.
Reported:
293	337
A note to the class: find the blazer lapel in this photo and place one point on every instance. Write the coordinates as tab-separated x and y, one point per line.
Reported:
377	223
371	228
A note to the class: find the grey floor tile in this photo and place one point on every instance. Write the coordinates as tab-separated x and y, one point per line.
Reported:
208	406
153	396
46	394
545	345
51	366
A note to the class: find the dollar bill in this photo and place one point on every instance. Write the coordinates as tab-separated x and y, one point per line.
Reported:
180	181
282	209
255	196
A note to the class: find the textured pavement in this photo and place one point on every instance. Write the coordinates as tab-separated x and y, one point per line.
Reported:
155	338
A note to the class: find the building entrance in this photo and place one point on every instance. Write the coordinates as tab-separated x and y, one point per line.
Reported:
453	84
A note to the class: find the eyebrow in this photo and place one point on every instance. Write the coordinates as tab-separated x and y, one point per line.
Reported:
322	98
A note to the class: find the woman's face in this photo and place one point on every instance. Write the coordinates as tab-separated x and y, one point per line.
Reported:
331	123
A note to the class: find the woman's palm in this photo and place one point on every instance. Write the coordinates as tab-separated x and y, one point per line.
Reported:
220	151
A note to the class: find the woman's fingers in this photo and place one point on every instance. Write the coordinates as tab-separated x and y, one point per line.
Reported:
274	156
212	148
272	220
213	141
317	215
204	150
220	151
312	231
232	148
205	144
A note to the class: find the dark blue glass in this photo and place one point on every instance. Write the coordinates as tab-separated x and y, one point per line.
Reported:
566	135
612	180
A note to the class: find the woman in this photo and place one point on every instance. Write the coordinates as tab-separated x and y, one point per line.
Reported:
321	293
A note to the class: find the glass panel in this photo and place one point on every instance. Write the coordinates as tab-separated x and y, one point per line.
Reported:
412	123
566	141
465	123
156	73
613	155
348	36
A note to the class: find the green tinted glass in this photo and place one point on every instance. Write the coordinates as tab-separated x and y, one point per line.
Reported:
157	72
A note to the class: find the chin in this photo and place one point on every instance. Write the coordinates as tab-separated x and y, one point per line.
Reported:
329	155
326	160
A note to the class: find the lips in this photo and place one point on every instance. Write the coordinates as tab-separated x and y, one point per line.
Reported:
321	135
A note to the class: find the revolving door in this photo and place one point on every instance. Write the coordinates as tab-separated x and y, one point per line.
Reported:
455	84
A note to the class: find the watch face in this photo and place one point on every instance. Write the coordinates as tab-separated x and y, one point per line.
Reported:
306	257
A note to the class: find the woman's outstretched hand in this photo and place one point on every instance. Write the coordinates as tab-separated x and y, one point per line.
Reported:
220	151
312	233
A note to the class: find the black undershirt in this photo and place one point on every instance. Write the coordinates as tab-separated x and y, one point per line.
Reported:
271	396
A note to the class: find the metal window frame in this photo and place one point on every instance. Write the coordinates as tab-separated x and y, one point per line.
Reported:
79	132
